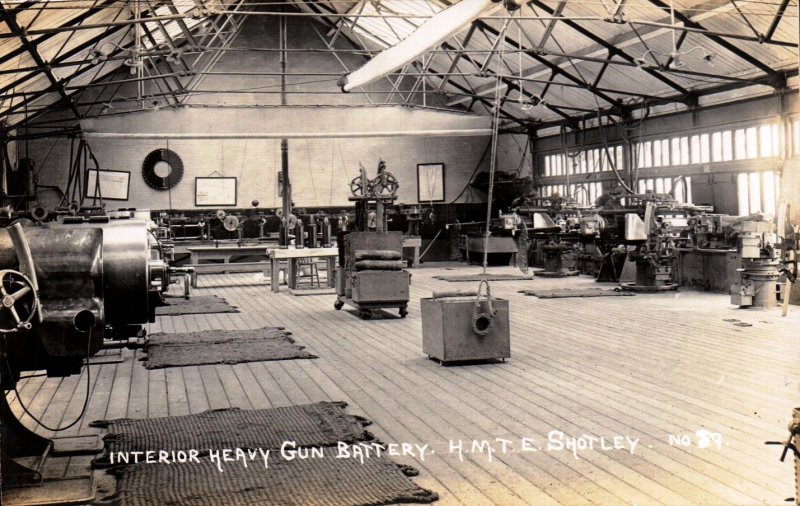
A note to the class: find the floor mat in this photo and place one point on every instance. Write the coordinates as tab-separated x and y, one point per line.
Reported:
332	475
478	277
313	481
221	347
575	292
214	336
320	424
203	304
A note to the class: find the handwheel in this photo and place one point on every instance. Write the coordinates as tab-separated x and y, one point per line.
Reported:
357	186
20	288
338	305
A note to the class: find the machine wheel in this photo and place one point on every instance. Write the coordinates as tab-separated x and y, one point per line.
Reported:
365	314
338	305
403	311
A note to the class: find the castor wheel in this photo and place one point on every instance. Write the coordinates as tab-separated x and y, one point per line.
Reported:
365	314
338	305
403	311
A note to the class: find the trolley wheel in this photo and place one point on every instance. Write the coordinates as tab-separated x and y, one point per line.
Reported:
338	305
403	311
365	314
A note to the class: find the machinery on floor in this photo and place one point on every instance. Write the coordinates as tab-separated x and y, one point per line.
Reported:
370	273
67	288
766	248
552	225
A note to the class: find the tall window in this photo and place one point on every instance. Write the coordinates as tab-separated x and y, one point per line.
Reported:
758	192
675	187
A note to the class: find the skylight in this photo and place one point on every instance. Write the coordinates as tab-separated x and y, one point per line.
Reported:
389	31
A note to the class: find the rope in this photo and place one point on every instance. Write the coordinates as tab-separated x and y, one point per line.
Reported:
492	169
482	322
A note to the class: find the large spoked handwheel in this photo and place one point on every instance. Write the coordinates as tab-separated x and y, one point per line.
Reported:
357	186
18	295
385	184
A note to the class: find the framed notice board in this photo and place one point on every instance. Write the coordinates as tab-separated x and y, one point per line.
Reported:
430	182
215	191
108	184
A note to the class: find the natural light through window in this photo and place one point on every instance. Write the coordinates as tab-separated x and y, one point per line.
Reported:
388	31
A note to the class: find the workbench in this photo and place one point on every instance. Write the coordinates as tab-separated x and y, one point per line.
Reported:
292	255
225	253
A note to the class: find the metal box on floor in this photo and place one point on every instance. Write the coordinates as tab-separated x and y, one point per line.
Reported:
448	335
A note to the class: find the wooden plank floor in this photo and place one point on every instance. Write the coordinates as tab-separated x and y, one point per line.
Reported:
643	367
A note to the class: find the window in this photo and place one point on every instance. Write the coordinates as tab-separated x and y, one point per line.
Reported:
705	149
682	193
765	140
547	166
695	149
684	151
676	150
647	161
716	147
741	144
618	162
389	31
657	154
727	146
683	190
769	140
758	192
752	142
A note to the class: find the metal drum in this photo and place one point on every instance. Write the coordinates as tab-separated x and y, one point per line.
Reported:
127	245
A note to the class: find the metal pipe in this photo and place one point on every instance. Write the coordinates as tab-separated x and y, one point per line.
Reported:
466	132
286	203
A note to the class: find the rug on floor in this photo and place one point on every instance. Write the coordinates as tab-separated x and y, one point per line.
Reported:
332	476
324	480
199	304
221	347
319	424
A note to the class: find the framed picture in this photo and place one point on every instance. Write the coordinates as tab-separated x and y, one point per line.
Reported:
215	191
108	184
430	182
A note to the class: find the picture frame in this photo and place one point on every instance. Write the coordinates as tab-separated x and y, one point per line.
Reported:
113	184
215	191
430	182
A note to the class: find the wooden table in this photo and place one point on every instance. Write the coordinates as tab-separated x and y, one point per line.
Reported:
224	253
292	255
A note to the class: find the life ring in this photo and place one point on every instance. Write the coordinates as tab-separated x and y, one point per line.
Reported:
169	181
